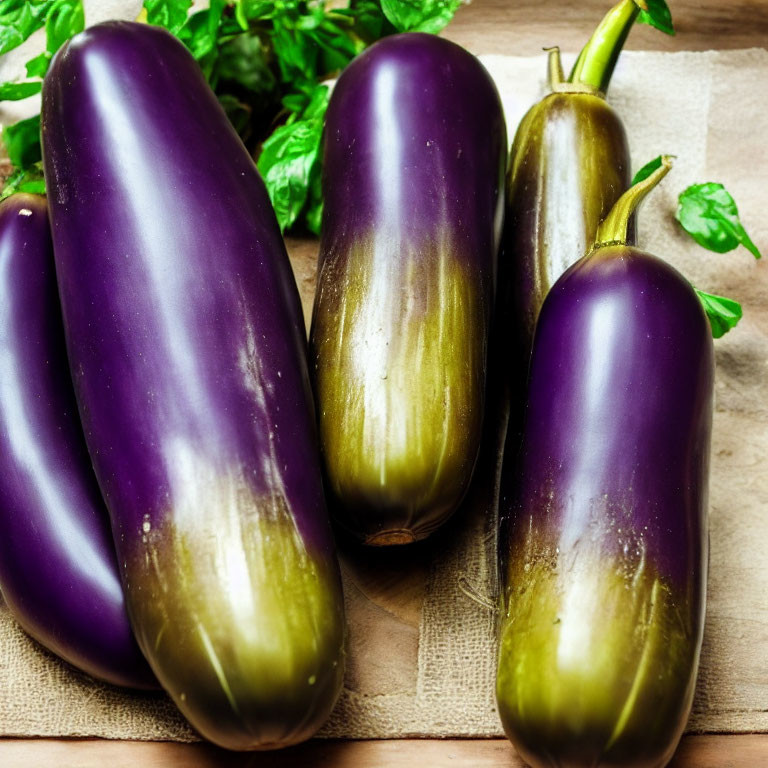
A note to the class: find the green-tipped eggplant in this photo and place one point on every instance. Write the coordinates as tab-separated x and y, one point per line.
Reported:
568	165
413	187
606	549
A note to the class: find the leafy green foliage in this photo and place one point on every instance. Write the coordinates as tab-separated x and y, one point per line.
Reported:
22	140
29	180
649	168
290	164
723	313
657	15
201	34
19	19
65	19
419	15
171	14
38	66
265	60
62	19
16	91
708	213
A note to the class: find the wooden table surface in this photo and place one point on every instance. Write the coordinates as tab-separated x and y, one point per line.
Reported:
515	27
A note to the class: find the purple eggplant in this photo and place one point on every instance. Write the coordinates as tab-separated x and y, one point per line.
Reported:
413	187
185	337
605	574
58	570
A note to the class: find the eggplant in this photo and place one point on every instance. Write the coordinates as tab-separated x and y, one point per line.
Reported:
185	337
568	165
58	570
414	154
605	575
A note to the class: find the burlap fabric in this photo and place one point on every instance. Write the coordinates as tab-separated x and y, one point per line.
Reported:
427	669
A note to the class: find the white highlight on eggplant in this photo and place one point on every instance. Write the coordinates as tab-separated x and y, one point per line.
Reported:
25	442
382	415
577	576
157	235
590	457
562	232
208	503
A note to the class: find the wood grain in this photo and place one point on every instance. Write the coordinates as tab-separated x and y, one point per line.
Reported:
695	752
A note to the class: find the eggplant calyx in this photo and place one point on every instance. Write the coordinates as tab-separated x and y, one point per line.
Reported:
613	228
594	65
567	87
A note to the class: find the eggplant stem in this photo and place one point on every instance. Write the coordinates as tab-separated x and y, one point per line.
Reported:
613	228
555	74
596	62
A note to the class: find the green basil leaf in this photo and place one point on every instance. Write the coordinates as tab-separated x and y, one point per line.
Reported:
648	169
710	216
657	15
201	33
368	20
22	140
290	157
19	20
38	66
419	16
723	313
171	14
27	180
65	19
256	10
16	91
296	60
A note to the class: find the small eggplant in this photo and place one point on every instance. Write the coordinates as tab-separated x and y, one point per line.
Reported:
186	341
415	145
605	574
568	165
58	570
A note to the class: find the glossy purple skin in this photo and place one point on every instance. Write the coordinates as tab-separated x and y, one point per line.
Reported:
389	130
58	571
620	408
155	199
186	340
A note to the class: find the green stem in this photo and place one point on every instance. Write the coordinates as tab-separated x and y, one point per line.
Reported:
555	73
597	59
613	228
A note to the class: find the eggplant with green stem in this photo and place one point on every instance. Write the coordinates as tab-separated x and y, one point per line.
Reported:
605	565
568	165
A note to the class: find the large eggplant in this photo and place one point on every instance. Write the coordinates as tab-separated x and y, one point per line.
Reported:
186	342
604	583
568	165
58	570
413	186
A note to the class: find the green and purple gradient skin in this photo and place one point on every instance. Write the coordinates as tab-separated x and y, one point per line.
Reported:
58	570
568	165
604	574
415	145
186	342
